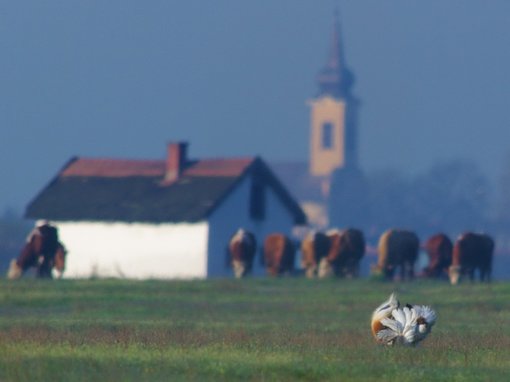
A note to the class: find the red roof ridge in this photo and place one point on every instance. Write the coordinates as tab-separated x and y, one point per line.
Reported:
219	167
114	167
107	167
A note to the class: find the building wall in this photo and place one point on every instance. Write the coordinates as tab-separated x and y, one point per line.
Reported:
324	161
136	250
234	213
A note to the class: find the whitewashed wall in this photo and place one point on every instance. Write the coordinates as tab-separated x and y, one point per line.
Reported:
234	213
134	250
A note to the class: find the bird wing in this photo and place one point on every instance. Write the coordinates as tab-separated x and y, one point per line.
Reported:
409	330
400	326
387	336
392	324
398	315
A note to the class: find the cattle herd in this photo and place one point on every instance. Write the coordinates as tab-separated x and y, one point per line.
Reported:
338	253
334	253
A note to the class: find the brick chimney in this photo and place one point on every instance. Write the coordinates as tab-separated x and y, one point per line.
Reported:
175	160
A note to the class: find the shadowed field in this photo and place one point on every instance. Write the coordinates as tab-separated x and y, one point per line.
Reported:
259	329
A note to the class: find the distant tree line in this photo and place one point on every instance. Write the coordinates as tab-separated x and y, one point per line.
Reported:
13	232
450	197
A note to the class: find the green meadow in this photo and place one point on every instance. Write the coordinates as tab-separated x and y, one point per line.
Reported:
286	329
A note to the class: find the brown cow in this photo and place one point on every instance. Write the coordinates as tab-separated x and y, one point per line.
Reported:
471	251
314	247
439	250
278	254
397	249
242	248
347	248
39	251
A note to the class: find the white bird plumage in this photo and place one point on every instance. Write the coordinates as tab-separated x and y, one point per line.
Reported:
409	325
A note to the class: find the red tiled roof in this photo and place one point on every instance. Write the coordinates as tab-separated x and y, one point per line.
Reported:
219	167
113	168
104	190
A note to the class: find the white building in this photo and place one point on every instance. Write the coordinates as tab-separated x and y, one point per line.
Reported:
162	219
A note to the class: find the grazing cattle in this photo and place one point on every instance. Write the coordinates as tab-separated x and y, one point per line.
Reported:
42	251
439	249
314	247
242	248
397	249
278	254
471	251
347	248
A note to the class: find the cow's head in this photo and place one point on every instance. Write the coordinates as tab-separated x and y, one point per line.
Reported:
15	271
325	269
454	274
239	268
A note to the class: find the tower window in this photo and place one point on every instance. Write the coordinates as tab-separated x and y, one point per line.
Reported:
327	135
257	201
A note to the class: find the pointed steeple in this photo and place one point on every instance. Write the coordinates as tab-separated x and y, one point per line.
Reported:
335	78
336	50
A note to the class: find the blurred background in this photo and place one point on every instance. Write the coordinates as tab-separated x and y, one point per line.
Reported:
122	78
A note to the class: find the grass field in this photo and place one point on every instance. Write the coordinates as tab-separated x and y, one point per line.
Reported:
258	329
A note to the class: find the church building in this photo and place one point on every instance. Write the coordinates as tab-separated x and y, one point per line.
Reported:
333	125
333	135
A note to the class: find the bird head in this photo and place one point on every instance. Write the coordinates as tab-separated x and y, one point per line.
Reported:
426	318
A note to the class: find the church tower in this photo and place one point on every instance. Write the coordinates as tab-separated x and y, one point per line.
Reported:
333	140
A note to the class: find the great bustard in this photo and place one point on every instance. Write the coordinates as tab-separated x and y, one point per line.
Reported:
392	324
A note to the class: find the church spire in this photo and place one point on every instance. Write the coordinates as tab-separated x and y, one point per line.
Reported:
335	78
336	50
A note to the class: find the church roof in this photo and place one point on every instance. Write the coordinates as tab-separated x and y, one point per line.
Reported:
92	189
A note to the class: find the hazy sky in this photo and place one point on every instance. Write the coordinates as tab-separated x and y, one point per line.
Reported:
122	78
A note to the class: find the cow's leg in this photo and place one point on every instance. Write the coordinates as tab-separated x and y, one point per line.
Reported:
410	270
44	270
471	274
389	271
403	271
311	271
44	273
353	270
485	274
288	265
248	267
